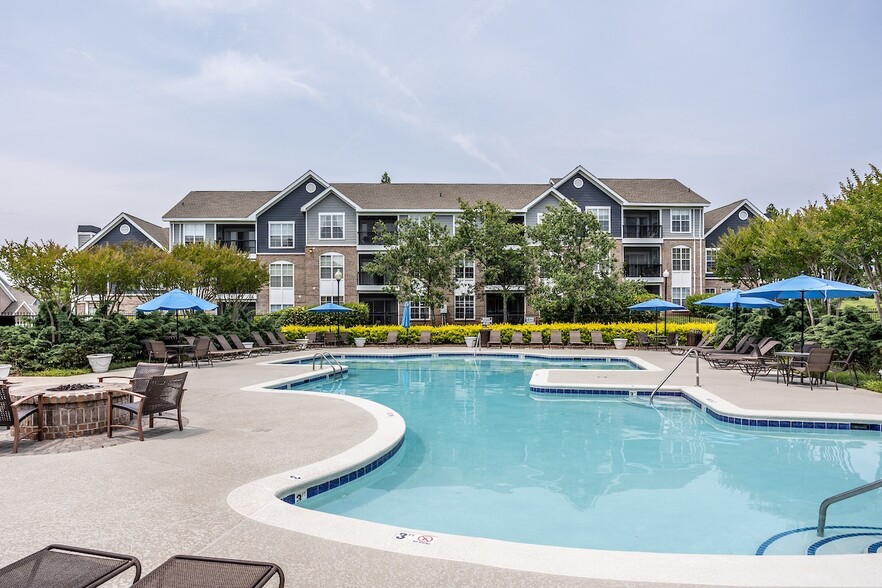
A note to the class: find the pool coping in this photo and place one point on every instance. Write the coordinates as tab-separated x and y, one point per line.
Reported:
260	500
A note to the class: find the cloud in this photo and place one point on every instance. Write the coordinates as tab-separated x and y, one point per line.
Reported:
233	74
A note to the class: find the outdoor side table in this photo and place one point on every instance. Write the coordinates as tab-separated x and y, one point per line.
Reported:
784	359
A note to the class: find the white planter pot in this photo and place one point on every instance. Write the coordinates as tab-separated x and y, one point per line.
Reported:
360	341
470	341
4	371
100	362
620	343
248	344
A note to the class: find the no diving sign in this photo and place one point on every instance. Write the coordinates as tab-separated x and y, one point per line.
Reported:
420	538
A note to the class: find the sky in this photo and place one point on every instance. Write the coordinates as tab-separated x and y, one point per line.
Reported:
127	105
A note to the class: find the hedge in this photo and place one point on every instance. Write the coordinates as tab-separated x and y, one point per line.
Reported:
456	334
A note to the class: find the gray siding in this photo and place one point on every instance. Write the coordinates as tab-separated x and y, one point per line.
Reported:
591	195
695	221
445	220
732	222
541	206
286	210
114	237
332	203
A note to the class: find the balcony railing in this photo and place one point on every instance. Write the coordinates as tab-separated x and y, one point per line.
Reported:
643	270
369	279
367	238
246	245
642	231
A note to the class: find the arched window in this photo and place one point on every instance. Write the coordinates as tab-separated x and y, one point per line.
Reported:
281	286
329	289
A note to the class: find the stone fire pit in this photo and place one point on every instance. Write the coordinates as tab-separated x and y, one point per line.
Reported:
77	410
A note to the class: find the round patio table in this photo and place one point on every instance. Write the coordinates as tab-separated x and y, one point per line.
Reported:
785	358
72	413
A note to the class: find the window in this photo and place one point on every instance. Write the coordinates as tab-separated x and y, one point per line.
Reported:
539	216
281	286
331	225
680	221
281	235
419	311
329	263
331	299
194	233
602	215
680	261
465	270
710	290
711	257
464	307
679	294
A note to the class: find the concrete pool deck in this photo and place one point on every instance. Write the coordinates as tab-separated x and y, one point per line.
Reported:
170	494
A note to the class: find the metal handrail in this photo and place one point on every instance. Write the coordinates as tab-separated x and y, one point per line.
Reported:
671	373
332	361
822	511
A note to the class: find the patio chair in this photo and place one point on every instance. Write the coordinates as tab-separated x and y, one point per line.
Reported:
221	354
554	338
845	365
517	338
815	366
210	572
759	362
312	339
13	413
235	352
344	339
495	339
280	335
260	344
643	341
729	360
425	338
536	339
597	341
63	566
200	351
157	350
273	341
721	346
391	339
138	380
576	339
330	339
163	394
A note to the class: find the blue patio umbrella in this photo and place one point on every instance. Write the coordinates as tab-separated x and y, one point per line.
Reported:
331	307
176	300
405	318
658	305
736	299
802	287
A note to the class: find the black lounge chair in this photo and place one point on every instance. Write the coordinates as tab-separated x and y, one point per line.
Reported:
193	571
163	394
63	566
227	348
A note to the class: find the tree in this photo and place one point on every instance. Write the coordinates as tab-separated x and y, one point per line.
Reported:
418	260
385	179
43	271
107	274
487	235
579	279
738	260
161	272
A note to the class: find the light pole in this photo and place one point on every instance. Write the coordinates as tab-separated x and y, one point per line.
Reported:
338	275
665	275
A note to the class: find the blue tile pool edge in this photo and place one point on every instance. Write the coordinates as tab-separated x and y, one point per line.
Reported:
417	355
753	421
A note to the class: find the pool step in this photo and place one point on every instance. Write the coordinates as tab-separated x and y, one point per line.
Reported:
838	540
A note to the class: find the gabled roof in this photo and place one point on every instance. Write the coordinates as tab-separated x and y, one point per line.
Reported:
22	303
717	216
654	191
158	235
219	204
379	196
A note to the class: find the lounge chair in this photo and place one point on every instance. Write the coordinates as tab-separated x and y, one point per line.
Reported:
536	339
163	394
721	346
138	380
743	346
260	344
344	339
495	339
225	346
210	572
815	366
425	338
757	361
13	413
845	365
237	343
391	339
63	566
312	339
643	341
221	354
554	338
576	339
271	339
330	339
517	338
597	341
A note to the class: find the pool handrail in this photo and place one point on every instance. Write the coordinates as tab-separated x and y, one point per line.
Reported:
827	502
323	356
674	369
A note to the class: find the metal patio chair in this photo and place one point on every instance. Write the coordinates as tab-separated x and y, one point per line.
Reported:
63	566
163	394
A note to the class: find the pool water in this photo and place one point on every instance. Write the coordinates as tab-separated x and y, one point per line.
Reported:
482	457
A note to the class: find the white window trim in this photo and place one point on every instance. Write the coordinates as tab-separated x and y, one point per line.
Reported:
269	237
595	209
680	211
193	226
465	307
688	258
323	215
707	267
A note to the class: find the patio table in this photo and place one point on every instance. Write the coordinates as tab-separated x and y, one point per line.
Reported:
784	359
180	348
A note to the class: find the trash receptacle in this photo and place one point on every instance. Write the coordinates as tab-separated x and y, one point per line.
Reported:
693	338
485	337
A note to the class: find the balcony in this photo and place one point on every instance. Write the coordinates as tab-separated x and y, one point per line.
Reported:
643	270
642	232
246	245
369	279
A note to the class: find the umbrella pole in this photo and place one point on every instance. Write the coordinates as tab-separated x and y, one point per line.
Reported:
737	306
802	322
666	325
656	324
177	327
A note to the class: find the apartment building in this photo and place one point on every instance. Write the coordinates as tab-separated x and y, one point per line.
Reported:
315	236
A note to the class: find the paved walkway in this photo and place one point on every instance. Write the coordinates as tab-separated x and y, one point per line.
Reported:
168	494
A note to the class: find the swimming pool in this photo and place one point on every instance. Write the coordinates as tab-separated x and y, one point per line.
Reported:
484	458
